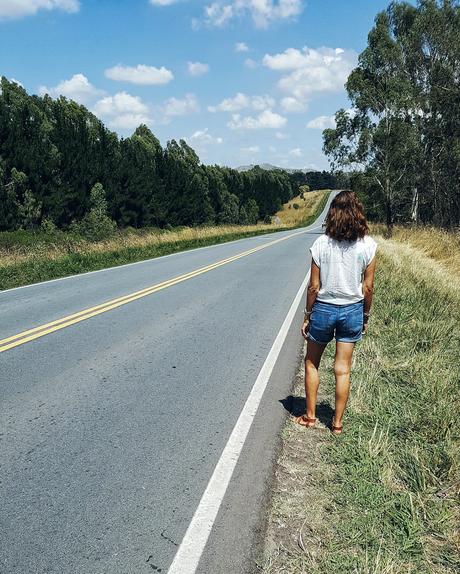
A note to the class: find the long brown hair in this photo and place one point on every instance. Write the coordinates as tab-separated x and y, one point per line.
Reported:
345	220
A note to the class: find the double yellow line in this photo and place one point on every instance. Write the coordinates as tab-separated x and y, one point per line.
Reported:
47	328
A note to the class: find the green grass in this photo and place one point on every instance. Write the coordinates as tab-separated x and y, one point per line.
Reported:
382	498
41	256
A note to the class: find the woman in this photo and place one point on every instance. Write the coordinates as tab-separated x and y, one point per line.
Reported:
339	299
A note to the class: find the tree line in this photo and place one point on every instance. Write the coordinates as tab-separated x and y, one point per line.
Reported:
59	164
400	143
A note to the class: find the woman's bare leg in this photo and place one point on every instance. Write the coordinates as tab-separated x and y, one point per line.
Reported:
342	367
312	360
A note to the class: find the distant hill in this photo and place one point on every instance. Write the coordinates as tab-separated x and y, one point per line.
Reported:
269	166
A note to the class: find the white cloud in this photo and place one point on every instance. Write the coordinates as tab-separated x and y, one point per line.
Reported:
217	14
264	120
262	12
203	137
251	149
16	82
77	88
321	123
21	8
295	152
293	105
241	47
197	68
281	136
242	101
123	111
119	104
180	107
129	121
250	63
141	74
312	71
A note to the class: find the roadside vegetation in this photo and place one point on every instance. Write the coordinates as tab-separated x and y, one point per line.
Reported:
384	497
29	256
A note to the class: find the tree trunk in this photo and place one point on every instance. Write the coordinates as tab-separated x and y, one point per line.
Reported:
414	210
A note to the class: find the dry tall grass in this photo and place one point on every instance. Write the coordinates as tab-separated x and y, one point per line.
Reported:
438	244
290	216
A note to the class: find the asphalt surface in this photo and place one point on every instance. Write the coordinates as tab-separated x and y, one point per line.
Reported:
110	428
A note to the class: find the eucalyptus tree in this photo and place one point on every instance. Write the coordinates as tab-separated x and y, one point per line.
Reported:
137	203
378	133
404	128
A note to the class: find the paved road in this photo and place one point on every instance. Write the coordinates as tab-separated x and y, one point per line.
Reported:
111	427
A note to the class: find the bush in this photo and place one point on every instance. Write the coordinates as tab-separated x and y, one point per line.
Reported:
48	226
295	205
29	211
267	219
96	224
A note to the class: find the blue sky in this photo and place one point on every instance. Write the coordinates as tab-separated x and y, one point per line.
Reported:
243	81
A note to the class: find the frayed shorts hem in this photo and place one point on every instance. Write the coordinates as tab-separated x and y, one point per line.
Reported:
339	340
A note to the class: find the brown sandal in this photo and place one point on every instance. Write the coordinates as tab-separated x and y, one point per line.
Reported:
335	429
305	421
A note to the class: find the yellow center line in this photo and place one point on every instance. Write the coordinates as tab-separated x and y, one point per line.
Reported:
56	325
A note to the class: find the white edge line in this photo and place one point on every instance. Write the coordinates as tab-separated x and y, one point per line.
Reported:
194	541
150	259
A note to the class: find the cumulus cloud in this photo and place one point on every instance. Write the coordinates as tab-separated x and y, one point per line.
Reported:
119	104
218	14
295	152
141	74
265	120
197	68
77	88
123	111
203	138
281	136
242	101
321	123
22	8
262	12
180	107
311	71
293	105
241	47
251	149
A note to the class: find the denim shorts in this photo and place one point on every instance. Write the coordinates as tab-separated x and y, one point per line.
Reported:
345	320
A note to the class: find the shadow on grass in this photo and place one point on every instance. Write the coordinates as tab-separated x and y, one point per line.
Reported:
296	407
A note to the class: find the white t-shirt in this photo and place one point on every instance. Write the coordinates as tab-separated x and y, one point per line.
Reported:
342	265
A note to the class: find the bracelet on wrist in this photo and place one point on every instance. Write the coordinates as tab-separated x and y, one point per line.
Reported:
306	313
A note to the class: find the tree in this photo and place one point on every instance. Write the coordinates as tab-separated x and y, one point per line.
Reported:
63	151
404	130
96	224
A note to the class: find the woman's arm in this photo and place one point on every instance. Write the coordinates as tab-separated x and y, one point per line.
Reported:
312	292
368	290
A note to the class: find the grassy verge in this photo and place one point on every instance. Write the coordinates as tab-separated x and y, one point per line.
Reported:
383	498
27	257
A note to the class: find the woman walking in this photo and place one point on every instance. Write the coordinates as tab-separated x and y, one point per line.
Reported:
339	298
